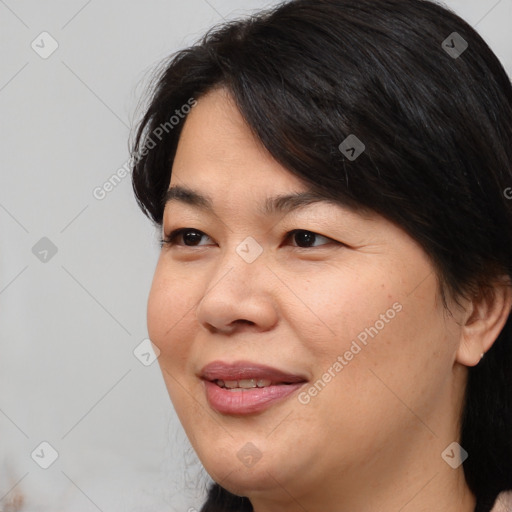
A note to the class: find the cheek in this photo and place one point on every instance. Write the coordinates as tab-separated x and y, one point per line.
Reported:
342	305
386	316
171	305
170	311
391	348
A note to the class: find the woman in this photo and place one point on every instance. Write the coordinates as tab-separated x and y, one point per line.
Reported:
332	299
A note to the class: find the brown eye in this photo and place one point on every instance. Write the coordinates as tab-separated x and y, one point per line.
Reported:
190	237
305	239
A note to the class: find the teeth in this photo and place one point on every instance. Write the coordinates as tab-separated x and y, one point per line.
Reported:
244	384
230	384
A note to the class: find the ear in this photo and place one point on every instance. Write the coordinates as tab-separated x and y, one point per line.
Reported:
483	321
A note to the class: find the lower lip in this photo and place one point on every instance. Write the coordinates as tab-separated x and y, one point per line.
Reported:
246	401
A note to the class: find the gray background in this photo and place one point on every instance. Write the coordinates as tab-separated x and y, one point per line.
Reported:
69	325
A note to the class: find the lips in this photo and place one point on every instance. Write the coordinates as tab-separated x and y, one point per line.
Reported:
246	370
244	387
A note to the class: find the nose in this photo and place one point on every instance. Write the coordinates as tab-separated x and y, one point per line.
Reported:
239	296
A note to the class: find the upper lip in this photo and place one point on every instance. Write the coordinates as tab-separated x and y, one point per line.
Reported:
241	370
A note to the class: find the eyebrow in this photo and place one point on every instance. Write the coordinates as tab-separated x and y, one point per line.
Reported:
271	205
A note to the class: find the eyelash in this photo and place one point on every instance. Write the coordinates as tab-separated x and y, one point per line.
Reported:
169	240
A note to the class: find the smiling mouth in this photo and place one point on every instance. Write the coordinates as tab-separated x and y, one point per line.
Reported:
247	387
247	396
248	383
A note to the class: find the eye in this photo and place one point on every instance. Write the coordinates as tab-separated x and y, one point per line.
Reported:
189	236
305	239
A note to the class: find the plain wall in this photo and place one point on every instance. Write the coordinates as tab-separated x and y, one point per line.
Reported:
69	324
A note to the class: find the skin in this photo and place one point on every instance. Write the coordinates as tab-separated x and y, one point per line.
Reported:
372	438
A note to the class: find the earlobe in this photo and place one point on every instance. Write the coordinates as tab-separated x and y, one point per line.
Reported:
486	317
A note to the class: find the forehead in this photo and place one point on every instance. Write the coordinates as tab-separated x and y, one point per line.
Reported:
218	151
215	128
219	160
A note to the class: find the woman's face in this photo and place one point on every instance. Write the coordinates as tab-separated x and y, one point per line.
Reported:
349	303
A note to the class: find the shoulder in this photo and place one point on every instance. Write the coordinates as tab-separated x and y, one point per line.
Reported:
503	502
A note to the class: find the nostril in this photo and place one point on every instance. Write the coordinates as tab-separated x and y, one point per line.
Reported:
244	322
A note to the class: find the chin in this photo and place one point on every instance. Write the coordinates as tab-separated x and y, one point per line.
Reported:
242	469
